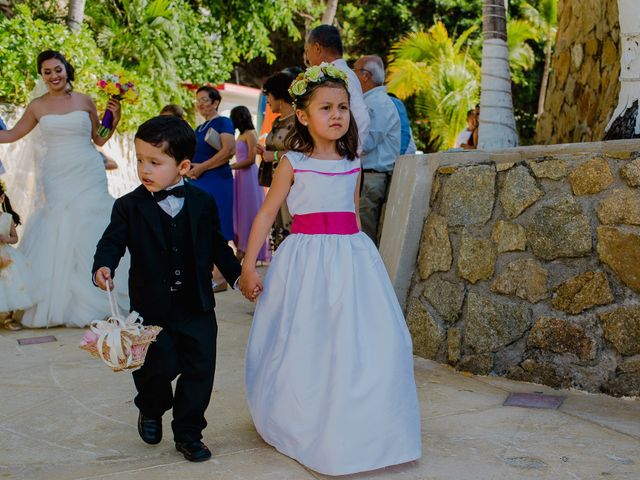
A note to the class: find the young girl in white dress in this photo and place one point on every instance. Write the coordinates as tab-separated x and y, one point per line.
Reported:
329	366
14	271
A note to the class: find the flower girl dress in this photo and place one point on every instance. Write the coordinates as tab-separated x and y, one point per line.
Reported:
15	277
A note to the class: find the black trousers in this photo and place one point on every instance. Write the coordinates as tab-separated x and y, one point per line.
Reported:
186	347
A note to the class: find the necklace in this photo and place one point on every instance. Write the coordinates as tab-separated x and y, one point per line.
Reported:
203	127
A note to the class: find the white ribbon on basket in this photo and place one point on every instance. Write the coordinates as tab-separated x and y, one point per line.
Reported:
110	332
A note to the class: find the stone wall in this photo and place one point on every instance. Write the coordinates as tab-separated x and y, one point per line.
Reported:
529	267
583	87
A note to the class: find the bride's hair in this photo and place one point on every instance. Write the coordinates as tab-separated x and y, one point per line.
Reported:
5	206
52	54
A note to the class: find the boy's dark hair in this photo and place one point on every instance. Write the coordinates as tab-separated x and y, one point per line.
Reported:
6	206
471	113
171	134
241	118
278	86
213	93
328	37
53	54
299	138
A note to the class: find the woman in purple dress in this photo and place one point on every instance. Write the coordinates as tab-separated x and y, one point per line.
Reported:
247	194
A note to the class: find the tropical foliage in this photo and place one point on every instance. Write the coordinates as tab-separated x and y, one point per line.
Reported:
443	77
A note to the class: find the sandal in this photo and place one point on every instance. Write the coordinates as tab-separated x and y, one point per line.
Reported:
12	325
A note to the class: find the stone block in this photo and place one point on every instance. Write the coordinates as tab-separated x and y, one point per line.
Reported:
491	325
621	206
524	278
536	372
582	292
625	385
621	327
454	344
426	333
468	195
630	173
481	364
552	169
435	249
476	258
593	176
630	365
446	297
559	229
509	237
504	166
561	336
519	191
621	252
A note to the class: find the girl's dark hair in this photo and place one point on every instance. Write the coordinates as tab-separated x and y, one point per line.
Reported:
171	134
6	206
299	138
213	93
241	118
53	54
278	86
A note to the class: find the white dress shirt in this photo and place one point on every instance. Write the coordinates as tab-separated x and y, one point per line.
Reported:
357	104
172	205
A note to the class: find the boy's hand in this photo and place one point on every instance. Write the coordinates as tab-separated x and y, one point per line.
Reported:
103	276
250	284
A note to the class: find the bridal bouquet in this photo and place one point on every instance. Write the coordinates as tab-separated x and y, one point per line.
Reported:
119	87
120	342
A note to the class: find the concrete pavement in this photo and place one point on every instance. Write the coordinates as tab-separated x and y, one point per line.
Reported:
65	415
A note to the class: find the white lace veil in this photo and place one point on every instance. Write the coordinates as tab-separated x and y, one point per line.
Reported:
21	160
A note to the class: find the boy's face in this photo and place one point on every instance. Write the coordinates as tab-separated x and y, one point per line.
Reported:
156	169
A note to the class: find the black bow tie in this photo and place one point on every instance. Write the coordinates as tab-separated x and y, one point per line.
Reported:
162	194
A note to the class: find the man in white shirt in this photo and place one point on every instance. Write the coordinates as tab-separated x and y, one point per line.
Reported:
381	146
324	44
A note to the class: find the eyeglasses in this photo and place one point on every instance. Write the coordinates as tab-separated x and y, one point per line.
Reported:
203	101
362	70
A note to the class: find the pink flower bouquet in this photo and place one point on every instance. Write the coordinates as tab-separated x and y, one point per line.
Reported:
119	87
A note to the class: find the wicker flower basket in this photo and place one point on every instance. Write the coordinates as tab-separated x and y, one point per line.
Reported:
121	343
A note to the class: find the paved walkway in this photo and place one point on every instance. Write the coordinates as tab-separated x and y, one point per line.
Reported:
64	415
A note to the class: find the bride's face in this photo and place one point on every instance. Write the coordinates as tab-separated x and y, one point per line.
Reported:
54	75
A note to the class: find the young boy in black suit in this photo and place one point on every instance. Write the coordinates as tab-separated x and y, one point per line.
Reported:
172	232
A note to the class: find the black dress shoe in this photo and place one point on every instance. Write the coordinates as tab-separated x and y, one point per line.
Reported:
150	429
194	451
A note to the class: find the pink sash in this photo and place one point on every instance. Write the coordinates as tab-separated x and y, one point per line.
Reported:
328	223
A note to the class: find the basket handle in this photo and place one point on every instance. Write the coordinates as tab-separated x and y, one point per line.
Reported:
113	304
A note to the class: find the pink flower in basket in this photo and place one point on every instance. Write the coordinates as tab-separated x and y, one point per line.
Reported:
89	338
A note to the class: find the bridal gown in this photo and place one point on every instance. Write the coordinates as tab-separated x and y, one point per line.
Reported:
61	235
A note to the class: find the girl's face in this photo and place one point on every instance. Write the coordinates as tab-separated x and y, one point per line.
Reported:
205	106
327	115
54	75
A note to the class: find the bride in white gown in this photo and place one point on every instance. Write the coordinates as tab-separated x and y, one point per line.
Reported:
61	235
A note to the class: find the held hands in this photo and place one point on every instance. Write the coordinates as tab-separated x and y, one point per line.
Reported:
267	156
250	284
196	170
102	276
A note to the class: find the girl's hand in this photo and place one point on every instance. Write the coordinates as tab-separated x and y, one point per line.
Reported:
196	170
116	108
250	284
267	156
260	149
102	277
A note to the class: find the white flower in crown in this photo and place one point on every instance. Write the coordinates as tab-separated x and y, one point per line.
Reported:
316	74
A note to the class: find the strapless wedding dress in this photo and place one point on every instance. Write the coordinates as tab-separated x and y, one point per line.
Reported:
61	236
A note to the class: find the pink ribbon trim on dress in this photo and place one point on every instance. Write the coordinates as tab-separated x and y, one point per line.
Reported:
327	223
298	170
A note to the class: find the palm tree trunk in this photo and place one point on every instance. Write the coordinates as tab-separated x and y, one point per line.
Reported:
497	123
76	15
329	12
625	122
545	75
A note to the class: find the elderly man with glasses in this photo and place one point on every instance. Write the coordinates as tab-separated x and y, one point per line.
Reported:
381	145
324	44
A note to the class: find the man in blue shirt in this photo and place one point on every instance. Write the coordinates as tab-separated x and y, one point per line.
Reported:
381	145
407	145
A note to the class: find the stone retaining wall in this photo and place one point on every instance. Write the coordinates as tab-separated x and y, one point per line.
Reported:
529	267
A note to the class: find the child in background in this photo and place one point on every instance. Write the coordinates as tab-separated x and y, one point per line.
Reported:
14	270
247	194
329	365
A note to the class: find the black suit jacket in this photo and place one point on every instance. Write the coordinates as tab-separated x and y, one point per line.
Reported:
135	224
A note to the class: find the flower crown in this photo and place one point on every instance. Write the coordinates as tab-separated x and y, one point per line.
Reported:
315	75
3	186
